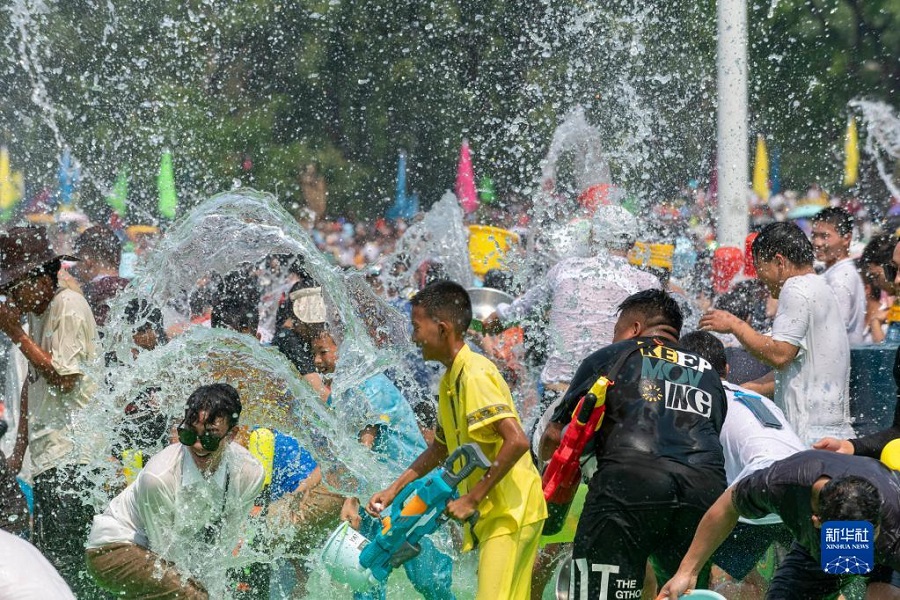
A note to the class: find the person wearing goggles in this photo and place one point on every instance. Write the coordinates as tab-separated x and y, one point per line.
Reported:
185	508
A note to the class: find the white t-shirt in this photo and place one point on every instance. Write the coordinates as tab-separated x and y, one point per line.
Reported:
26	575
814	389
169	505
68	332
748	444
847	285
583	295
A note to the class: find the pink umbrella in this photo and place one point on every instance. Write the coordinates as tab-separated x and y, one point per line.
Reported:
465	180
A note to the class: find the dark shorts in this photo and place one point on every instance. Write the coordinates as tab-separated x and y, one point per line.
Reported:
631	514
62	523
746	545
800	577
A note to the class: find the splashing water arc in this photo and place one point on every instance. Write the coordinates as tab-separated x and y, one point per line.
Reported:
220	235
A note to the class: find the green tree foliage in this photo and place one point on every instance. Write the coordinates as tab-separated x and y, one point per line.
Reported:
255	91
808	59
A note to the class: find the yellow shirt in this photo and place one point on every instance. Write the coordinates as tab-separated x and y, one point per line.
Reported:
464	416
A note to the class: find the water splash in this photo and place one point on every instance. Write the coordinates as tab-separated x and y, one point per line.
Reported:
883	139
222	234
438	238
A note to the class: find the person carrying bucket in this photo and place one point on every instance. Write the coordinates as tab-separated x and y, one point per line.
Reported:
475	405
392	433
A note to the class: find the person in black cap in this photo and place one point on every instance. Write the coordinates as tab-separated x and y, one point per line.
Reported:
59	342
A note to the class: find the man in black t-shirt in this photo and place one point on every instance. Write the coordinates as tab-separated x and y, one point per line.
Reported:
659	460
806	490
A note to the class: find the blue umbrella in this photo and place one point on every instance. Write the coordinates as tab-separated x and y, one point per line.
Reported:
68	177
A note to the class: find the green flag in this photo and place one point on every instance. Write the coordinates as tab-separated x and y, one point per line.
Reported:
486	192
168	201
118	196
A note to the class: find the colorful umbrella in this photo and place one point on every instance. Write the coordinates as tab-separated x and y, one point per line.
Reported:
851	154
761	169
168	201
465	180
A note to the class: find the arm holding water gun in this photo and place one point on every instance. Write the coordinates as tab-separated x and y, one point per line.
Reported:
475	406
433	456
515	444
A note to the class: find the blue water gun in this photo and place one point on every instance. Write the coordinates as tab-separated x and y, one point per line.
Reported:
418	511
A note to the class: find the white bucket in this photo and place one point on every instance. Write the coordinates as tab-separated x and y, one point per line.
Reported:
340	555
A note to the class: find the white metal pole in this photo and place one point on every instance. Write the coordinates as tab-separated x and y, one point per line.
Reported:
733	182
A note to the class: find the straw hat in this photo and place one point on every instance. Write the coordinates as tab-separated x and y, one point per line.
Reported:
22	250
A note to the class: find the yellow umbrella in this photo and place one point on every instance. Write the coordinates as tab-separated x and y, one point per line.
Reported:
7	190
761	169
851	154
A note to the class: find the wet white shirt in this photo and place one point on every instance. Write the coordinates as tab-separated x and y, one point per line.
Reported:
847	285
814	389
26	575
748	444
68	332
170	504
583	295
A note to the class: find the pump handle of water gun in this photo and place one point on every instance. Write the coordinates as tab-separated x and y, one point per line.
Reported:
474	459
473	518
585	408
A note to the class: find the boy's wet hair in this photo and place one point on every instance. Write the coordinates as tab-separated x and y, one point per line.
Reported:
101	244
657	307
706	345
879	250
837	217
448	301
236	302
217	400
783	238
50	269
850	498
143	316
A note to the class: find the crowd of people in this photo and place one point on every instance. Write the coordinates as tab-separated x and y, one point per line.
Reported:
726	435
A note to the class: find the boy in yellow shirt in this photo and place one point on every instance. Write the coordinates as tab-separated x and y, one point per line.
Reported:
475	405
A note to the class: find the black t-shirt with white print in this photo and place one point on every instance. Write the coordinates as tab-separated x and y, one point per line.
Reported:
665	408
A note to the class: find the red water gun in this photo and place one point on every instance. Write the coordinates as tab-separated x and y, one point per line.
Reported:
563	473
